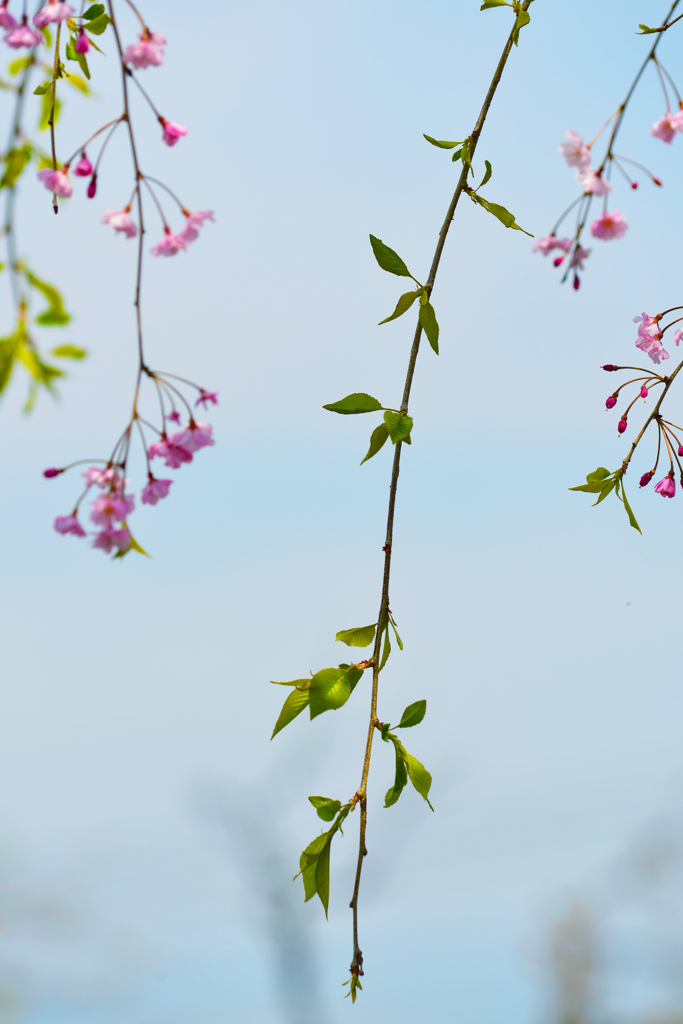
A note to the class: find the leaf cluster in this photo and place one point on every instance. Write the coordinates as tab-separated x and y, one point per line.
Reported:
407	766
602	483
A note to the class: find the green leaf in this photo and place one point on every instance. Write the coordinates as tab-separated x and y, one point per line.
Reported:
296	701
418	774
401	778
393	626
322	875
377	440
388	259
441	144
18	65
386	650
98	25
413	715
354	404
40	371
631	518
594	487
384	729
134	546
429	325
55	314
489	172
40	90
398	425
307	863
457	155
466	155
327	809
329	690
488	4
8	351
402	306
15	162
503	215
314	862
598	474
69	352
46	110
609	485
362	636
303	684
646	31
523	18
93	12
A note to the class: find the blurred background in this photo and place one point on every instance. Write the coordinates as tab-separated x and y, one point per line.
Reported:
148	829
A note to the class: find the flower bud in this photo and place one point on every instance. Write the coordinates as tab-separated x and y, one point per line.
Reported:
657	181
576	284
557	261
644	392
83	168
49	473
92	187
634	184
611	402
609	366
82	44
646	477
680	449
621	426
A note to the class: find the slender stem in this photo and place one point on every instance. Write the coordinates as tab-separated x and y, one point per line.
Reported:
382	620
51	122
653	415
10	233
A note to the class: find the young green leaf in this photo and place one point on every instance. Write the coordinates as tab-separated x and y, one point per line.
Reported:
362	636
388	259
503	215
398	425
314	862
386	651
18	65
523	18
8	351
354	404
393	626
441	144
487	175
329	690
98	25
327	809
55	314
598	474
631	518
69	352
466	155
646	31
418	774
40	371
15	161
402	306
401	778
296	701
93	12
457	155
40	90
303	684
377	440
429	325
413	715
488	4
608	486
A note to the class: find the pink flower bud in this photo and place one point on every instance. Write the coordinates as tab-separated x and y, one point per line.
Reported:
576	284
644	392
646	477
172	131
49	473
82	43
680	449
609	367
634	184
558	260
611	402
621	426
83	168
657	181
92	187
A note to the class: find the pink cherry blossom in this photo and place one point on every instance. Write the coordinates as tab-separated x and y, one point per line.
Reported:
169	245
195	436
53	11
666	487
649	338
173	454
56	181
549	242
83	168
154	490
579	257
69	524
678	335
22	35
6	19
575	152
121	221
594	183
110	538
611	225
172	131
206	398
82	44
174	417
148	52
109	507
666	127
193	222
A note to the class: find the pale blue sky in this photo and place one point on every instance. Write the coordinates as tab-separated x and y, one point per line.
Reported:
539	629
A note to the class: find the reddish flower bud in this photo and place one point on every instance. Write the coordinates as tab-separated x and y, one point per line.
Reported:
634	184
644	392
611	402
92	187
576	284
680	449
557	261
621	426
83	168
82	43
49	473
657	181
646	477
609	366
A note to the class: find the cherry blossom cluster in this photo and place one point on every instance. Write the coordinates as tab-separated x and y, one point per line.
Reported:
595	182
112	503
